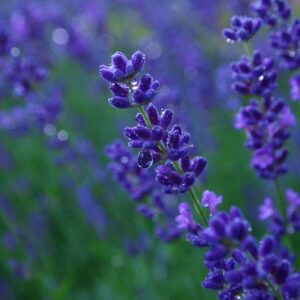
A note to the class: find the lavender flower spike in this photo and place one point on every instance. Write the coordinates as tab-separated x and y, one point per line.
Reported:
158	140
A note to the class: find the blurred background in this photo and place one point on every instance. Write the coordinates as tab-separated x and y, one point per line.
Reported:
68	230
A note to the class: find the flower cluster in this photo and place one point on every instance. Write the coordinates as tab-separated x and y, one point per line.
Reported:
286	42
24	74
121	74
137	181
238	265
121	68
272	11
295	87
278	224
266	119
266	125
243	28
170	148
142	188
254	77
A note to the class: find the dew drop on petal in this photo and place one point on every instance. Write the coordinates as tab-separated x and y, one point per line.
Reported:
134	85
145	159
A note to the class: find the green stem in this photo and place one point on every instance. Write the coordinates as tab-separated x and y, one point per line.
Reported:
275	292
191	191
197	206
143	113
194	198
281	206
247	49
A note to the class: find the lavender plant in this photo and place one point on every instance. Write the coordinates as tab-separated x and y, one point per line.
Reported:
43	158
238	267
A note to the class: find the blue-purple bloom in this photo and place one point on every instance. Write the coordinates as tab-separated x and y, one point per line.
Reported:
256	76
238	265
211	200
286	42
278	224
272	11
242	29
266	124
24	74
137	181
295	87
121	68
267	209
143	189
157	143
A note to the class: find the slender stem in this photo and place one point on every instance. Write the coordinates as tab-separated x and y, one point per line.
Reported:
280	198
281	206
197	206
143	113
191	191
247	49
194	198
276	293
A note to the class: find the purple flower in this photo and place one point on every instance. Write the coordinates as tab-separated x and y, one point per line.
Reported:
263	158
267	209
185	219
25	73
267	127
242	28
177	182
293	198
239	265
135	180
286	42
272	11
295	87
152	135
286	118
126	91
254	77
211	200
146	90
142	187
122	69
